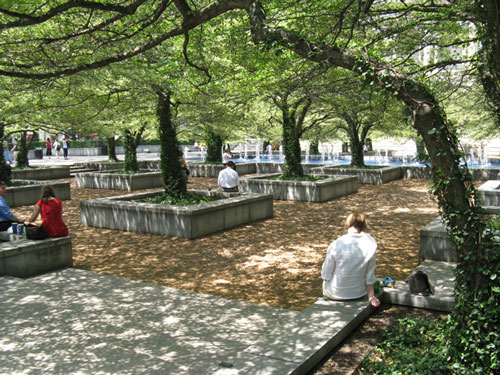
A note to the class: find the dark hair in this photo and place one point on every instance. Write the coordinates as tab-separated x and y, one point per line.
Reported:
231	164
47	192
2	183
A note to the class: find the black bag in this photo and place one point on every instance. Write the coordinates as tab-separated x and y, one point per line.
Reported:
34	232
419	283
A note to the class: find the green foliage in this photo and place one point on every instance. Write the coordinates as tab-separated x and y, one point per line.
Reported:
214	147
415	346
187	199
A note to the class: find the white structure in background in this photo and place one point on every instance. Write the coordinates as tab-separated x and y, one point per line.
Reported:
404	149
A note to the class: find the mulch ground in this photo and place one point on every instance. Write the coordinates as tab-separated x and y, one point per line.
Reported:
275	262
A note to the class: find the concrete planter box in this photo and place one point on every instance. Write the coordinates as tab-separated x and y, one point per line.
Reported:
417	172
212	170
121	212
117	181
366	176
435	243
489	193
317	191
20	257
49	173
267	168
29	193
116	166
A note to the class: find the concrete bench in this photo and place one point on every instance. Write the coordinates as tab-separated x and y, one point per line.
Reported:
20	257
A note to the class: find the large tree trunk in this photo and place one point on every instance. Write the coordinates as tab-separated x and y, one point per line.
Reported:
22	154
171	169
130	152
357	155
291	147
5	169
111	143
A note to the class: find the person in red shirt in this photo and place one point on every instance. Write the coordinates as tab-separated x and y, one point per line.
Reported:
51	209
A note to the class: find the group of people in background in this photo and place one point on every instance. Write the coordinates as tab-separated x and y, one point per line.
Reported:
56	146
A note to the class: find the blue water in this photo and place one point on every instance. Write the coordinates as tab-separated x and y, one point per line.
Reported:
345	160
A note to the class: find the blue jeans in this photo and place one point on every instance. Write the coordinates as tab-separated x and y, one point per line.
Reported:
6	156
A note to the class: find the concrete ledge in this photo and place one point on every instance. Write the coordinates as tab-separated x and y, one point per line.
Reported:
20	257
212	170
314	191
416	172
441	275
269	167
435	243
489	193
366	176
29	193
123	213
48	173
116	166
117	181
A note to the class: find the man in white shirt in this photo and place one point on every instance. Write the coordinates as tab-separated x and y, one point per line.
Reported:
228	178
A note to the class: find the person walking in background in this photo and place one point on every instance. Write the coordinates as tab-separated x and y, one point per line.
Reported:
226	156
228	178
65	147
51	209
6	216
57	147
6	156
48	145
348	271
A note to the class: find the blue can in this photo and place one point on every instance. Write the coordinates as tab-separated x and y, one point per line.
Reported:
14	228
20	229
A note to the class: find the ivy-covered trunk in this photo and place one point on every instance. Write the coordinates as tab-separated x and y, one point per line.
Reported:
131	142
357	155
170	165
111	143
291	148
475	325
214	147
22	154
5	169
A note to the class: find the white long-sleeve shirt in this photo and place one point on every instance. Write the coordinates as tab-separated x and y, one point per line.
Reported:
349	266
228	178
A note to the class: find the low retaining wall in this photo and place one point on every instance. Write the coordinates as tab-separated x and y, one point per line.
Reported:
212	170
29	193
366	176
118	181
489	194
49	173
267	168
119	165
435	243
123	213
314	191
20	257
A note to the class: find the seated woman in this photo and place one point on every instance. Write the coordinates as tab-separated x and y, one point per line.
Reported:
51	209
349	268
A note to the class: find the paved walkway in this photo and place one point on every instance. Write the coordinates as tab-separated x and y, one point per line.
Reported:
78	322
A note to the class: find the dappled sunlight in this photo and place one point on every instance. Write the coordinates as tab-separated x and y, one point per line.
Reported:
274	262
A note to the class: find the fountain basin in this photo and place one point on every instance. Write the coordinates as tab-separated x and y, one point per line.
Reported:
313	191
489	194
124	213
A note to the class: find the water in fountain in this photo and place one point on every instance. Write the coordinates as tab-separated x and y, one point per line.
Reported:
245	155
257	151
185	152
281	157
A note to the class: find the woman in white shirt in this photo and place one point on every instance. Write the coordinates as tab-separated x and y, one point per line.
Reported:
349	268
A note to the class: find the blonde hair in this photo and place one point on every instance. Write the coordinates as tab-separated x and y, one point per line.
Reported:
356	220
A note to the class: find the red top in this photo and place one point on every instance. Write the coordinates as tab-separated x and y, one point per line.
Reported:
48	144
52	221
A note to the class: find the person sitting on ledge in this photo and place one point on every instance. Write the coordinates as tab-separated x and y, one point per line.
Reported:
51	209
228	178
6	216
348	271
